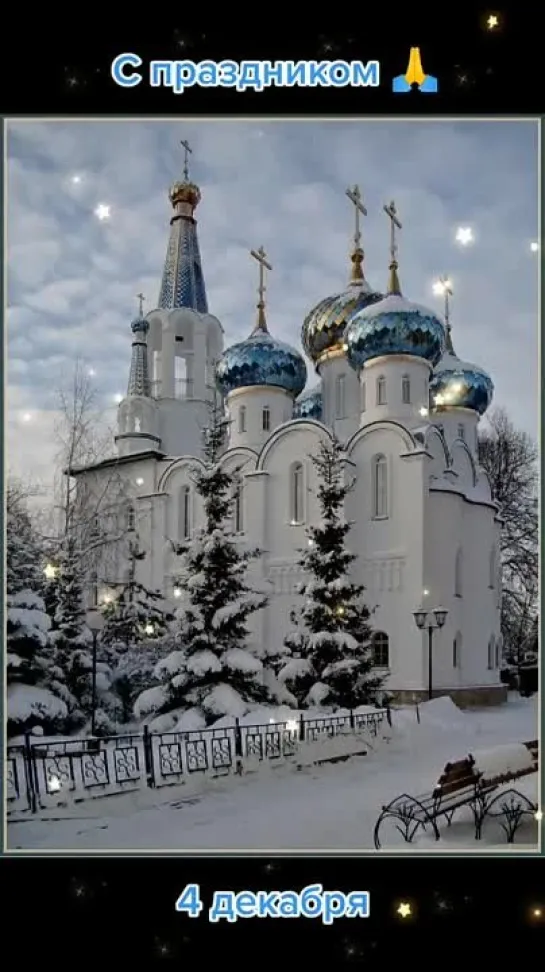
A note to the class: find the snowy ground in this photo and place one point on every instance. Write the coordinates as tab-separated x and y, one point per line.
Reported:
326	808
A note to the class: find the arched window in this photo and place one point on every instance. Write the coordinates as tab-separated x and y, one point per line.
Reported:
242	418
363	397
185	513
238	511
180	377
457	650
491	651
381	390
458	574
266	419
492	569
137	424
380	487
497	659
406	390
340	397
296	493
381	649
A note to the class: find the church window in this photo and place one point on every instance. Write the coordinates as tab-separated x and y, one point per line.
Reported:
340	397
363	397
297	510
186	512
406	390
130	517
180	377
461	432
458	574
238	511
456	650
137	424
498	652
491	651
492	569
380	487
242	418
381	390
266	419
156	374
381	649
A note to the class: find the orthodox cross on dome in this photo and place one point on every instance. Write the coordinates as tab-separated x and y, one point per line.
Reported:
391	212
141	299
187	152
446	287
261	258
356	199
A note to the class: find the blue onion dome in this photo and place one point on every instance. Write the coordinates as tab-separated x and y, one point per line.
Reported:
459	384
309	404
261	360
394	325
324	327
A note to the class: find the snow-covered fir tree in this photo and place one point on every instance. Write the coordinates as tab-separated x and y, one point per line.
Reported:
73	651
23	547
212	671
31	703
134	672
32	699
135	613
332	660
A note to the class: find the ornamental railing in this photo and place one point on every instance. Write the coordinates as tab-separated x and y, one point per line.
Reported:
41	775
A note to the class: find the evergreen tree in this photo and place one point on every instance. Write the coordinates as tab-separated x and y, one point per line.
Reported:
23	548
136	614
332	661
212	670
73	652
134	672
31	701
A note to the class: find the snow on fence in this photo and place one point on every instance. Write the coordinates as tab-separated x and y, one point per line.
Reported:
40	775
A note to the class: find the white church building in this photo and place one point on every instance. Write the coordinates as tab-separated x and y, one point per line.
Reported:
406	408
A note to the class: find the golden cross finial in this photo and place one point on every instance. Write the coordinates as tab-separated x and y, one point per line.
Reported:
391	212
141	300
446	287
355	197
261	258
187	152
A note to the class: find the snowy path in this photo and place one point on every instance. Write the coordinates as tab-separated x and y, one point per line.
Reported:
328	808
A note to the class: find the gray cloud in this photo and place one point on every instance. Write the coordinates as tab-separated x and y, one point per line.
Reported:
72	280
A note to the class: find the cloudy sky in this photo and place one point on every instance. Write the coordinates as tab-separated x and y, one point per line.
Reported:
72	279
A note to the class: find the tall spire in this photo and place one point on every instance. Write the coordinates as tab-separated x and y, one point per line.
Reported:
355	197
182	284
261	258
394	286
444	286
139	384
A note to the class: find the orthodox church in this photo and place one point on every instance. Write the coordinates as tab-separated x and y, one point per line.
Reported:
406	408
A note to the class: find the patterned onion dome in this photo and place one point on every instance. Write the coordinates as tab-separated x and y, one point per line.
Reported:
459	384
324	327
309	405
394	326
261	360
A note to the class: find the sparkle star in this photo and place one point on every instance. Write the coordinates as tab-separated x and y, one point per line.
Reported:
492	22
464	235
102	212
76	179
404	910
534	247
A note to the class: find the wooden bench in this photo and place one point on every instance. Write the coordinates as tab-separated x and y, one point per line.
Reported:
461	784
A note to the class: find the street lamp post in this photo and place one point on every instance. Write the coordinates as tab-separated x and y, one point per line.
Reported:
95	623
430	620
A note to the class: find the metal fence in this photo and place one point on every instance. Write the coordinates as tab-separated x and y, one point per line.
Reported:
40	775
